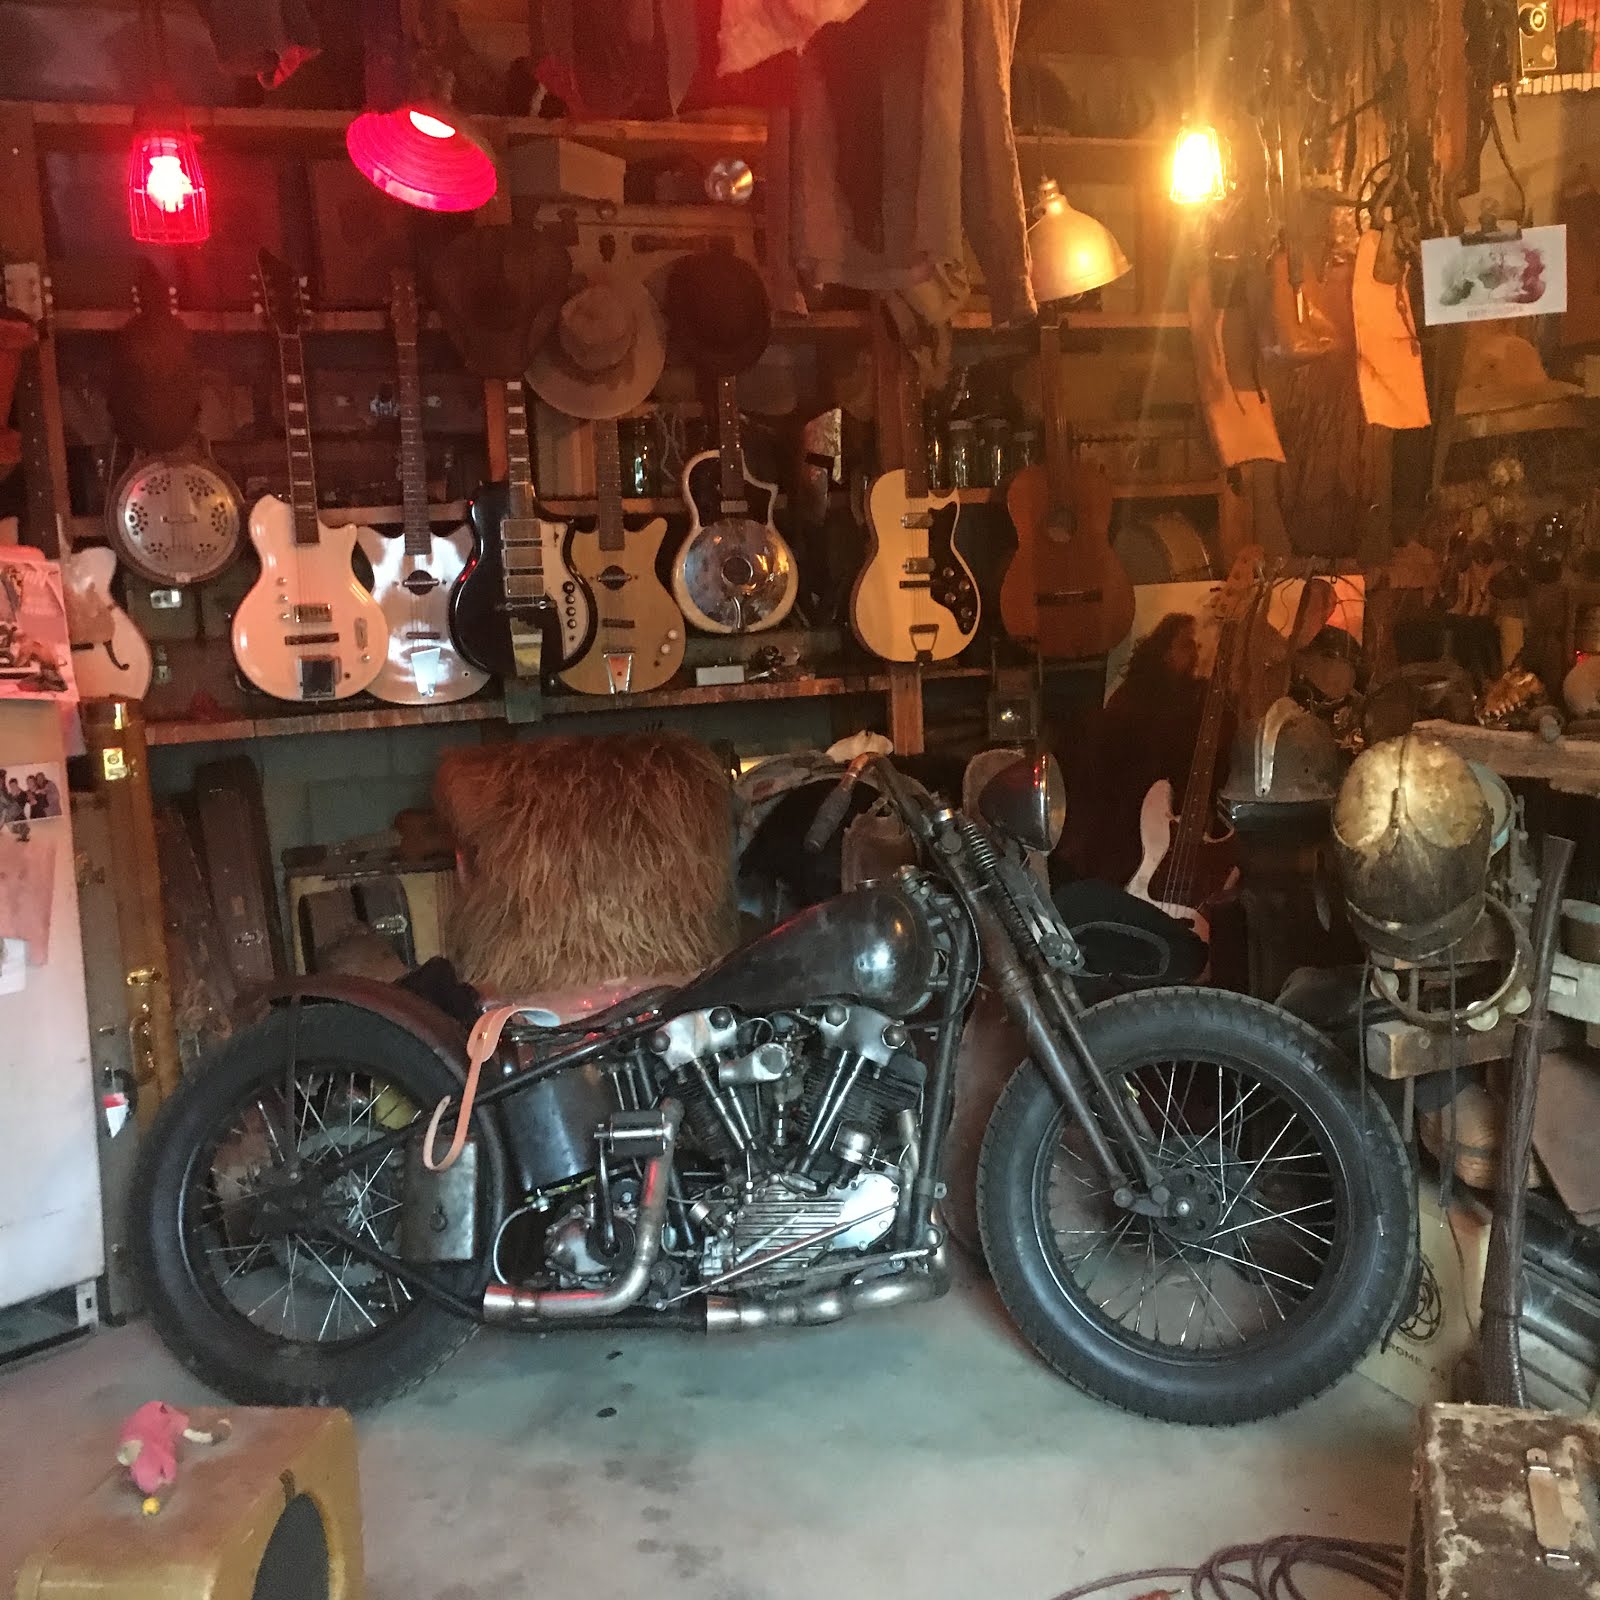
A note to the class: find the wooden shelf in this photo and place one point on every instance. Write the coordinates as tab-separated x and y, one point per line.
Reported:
1134	489
491	708
856	321
78	320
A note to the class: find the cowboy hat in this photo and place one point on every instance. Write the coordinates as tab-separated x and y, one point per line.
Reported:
499	290
717	305
607	350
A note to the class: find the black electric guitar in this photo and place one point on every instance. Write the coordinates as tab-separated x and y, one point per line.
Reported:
518	610
735	572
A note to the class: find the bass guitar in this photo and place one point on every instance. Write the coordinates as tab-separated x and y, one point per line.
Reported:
639	632
519	610
1187	856
306	630
110	658
1065	592
915	599
412	576
735	572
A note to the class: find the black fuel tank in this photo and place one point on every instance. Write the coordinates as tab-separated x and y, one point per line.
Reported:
872	944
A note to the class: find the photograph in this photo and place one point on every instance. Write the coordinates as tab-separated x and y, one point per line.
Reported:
31	793
1475	280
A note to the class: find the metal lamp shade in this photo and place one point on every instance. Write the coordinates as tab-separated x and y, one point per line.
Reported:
1071	252
421	155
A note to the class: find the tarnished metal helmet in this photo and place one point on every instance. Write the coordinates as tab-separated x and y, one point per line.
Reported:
1286	767
1411	833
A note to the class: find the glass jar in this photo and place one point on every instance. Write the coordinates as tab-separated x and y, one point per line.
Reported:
641	458
966	466
1024	449
996	451
938	461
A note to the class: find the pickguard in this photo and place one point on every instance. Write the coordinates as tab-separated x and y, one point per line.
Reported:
949	583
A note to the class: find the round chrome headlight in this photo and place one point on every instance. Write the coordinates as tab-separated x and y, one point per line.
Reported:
1027	801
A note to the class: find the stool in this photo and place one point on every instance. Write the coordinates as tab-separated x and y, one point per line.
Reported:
273	1512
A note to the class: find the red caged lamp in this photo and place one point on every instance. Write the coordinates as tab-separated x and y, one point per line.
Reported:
166	186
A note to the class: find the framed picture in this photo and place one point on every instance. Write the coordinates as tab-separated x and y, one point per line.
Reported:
1523	274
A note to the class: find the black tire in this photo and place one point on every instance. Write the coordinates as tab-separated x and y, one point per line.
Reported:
1361	1281
215	1339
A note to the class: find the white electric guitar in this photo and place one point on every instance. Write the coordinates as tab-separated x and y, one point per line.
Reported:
412	576
110	659
915	599
307	630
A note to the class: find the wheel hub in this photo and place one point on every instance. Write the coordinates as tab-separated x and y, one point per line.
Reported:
1195	1208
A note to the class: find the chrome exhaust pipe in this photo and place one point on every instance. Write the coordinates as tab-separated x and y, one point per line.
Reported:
504	1302
915	1282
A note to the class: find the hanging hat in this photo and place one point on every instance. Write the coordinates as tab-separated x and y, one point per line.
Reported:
718	308
153	393
499	290
607	350
1500	371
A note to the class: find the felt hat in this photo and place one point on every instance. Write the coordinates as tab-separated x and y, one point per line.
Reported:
719	311
499	290
1500	371
607	350
153	393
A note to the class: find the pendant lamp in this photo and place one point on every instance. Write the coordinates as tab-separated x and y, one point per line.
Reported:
167	202
1198	175
419	154
1070	252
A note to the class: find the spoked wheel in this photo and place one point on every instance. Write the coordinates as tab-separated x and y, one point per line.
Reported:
1297	1240
248	1171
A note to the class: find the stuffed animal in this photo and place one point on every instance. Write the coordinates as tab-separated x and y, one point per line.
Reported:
148	1447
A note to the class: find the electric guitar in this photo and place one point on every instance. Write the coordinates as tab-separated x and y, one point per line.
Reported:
915	599
519	611
639	632
412	576
1187	856
306	630
735	572
1065	591
110	659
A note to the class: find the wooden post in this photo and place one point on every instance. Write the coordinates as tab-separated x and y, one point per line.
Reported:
114	733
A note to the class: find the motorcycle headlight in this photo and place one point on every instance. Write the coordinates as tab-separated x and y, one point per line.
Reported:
1027	801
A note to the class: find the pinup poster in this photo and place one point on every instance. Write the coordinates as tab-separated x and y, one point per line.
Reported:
35	651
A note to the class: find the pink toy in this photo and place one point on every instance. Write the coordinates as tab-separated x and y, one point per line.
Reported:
148	1447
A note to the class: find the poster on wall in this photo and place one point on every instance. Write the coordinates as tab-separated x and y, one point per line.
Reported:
1477	280
35	650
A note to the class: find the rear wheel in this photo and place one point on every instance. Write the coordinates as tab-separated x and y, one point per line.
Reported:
1300	1235
268	1310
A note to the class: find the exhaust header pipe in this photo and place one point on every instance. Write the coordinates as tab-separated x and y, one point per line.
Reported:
913	1283
630	1133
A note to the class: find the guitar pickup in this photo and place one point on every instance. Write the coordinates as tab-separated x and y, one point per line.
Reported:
916	583
916	519
736	508
618	622
307	616
295	639
918	566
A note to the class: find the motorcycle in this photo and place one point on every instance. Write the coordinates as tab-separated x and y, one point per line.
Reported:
1187	1208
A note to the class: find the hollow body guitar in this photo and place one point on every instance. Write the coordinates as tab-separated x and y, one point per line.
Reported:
306	630
915	598
519	610
735	573
639	631
1065	592
412	576
110	659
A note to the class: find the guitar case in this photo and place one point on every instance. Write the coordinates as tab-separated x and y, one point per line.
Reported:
231	829
204	990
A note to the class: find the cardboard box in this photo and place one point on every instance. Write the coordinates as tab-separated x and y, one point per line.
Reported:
1420	1360
562	169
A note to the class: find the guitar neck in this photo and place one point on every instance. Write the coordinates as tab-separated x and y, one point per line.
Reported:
914	434
608	484
1057	433
1203	769
297	428
413	452
730	447
519	458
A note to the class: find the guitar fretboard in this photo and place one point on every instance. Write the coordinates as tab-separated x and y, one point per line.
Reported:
519	460
1193	814
608	484
729	448
297	429
413	452
915	436
521	538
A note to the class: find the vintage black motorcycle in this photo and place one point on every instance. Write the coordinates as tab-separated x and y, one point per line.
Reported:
1186	1205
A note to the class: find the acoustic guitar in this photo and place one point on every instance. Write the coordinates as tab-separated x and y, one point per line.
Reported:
639	631
735	572
915	599
519	611
412	576
307	630
1065	592
1187	856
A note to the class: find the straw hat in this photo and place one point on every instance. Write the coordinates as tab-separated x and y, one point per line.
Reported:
607	351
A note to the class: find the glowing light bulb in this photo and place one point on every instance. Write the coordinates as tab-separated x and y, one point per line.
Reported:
167	184
434	127
1197	177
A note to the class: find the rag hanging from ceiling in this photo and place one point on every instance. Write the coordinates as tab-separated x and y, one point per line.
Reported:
166	188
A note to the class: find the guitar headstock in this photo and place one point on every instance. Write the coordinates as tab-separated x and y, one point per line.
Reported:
283	299
403	312
1250	577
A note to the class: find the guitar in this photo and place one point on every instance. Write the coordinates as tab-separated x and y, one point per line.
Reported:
110	659
1184	865
915	599
412	576
519	611
639	632
1065	591
306	630
735	572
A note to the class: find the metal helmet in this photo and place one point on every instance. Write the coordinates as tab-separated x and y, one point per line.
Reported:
1411	832
1286	767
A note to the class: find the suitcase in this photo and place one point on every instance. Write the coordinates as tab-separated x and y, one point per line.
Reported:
273	1512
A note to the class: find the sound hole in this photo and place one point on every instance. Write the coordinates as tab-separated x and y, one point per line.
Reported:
738	571
1061	526
295	1565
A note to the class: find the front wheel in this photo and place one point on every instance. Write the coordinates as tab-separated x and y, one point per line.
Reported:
1300	1239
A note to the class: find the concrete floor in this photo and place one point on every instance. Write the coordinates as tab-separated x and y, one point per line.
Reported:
921	1453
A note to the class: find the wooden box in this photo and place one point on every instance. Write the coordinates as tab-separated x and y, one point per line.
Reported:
563	169
274	1510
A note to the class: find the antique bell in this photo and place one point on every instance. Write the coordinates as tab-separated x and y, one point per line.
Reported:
1411	834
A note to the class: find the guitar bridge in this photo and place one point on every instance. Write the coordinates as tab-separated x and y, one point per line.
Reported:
319	677
619	670
916	519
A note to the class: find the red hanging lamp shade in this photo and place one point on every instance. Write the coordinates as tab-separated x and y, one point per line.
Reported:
420	154
166	186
